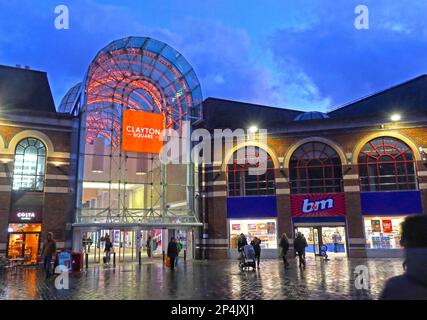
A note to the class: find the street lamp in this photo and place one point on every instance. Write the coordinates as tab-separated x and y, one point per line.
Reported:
395	117
253	129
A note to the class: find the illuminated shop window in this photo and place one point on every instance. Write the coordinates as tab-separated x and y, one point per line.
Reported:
385	164
251	176
315	168
263	229
29	165
383	232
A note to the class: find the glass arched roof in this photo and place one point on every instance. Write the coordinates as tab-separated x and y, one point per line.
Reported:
140	73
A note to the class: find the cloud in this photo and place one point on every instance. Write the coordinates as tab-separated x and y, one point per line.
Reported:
344	63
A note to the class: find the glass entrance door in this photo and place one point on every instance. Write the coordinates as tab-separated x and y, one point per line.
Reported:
24	245
332	237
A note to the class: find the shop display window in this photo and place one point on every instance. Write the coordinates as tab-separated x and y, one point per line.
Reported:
25	227
383	232
264	229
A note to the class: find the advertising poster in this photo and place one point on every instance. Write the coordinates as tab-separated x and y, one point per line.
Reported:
387	226
236	227
252	226
376	225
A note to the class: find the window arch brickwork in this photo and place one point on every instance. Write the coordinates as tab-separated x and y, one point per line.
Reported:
250	175
386	164
29	165
315	167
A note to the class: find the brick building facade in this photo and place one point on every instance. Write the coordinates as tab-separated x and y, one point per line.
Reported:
378	188
37	175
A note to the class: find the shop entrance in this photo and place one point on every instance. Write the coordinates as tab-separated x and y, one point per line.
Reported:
151	242
333	237
24	242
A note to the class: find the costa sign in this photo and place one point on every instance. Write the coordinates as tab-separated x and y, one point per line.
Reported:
318	205
25	216
142	131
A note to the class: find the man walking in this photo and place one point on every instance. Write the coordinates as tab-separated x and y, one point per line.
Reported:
300	244
284	247
48	251
172	252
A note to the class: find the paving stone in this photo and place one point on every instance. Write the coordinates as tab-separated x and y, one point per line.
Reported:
214	279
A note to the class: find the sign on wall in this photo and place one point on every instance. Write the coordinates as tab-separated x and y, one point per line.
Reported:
25	216
142	131
387	226
318	205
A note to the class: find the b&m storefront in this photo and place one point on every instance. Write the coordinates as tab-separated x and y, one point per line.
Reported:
346	179
322	220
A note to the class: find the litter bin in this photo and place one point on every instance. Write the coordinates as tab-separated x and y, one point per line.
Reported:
77	261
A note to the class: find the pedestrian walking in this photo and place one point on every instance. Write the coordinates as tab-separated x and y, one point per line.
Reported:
48	251
107	249
241	242
148	245
172	252
300	244
412	285
179	247
256	244
336	238
284	247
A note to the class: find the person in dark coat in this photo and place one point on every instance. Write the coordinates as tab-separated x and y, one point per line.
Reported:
242	242
148	245
284	247
300	244
172	252
412	285
107	249
256	243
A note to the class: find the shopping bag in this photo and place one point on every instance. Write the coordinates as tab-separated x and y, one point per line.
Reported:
168	262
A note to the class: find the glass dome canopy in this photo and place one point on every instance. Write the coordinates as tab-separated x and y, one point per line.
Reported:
311	115
70	99
140	73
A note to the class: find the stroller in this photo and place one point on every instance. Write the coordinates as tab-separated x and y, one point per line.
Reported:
247	257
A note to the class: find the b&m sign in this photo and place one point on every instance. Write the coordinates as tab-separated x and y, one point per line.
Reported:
318	205
142	131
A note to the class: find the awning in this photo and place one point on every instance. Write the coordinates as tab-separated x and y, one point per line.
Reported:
131	226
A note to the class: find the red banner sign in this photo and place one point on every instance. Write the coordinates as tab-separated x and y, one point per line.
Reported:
318	205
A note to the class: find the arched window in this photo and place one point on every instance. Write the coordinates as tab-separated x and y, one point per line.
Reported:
251	173
29	165
385	164
315	168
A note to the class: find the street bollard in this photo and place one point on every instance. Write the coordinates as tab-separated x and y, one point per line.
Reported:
87	260
185	255
139	257
163	257
114	259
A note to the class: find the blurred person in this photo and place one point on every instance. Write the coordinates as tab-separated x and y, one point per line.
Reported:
284	247
300	244
256	243
172	252
48	251
412	285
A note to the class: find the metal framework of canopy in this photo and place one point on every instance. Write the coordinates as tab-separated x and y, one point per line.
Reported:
133	73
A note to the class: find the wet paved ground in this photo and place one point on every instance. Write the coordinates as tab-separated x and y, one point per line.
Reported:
207	280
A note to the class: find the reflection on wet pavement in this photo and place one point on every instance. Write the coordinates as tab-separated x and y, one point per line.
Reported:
215	279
